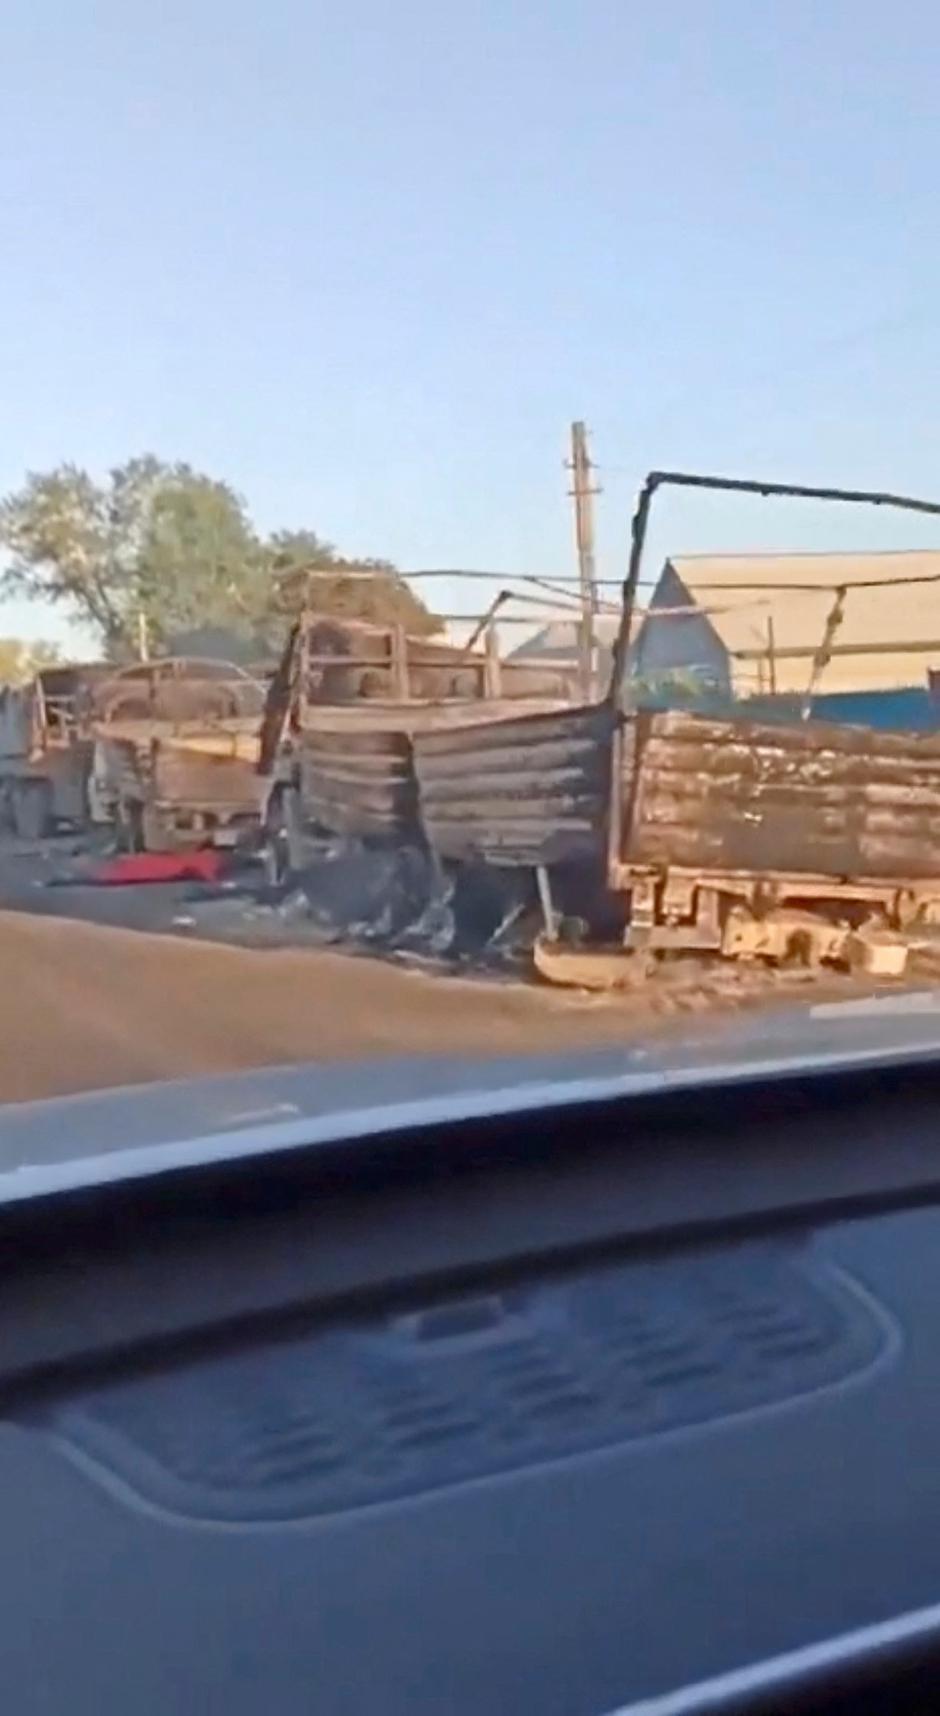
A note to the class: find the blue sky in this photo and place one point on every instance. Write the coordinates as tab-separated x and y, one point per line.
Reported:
367	262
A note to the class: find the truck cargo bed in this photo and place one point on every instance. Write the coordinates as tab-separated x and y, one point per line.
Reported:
814	797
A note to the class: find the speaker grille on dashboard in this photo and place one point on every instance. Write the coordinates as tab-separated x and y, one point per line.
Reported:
374	1408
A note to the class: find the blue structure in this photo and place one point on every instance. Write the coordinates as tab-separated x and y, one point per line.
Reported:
907	709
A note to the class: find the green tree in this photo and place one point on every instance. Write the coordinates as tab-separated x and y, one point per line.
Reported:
200	561
305	569
155	541
20	661
166	545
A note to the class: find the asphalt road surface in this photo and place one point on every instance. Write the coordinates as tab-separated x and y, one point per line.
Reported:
110	986
85	1005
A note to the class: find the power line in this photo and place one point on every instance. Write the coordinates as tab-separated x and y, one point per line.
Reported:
462	572
568	596
558	578
546	577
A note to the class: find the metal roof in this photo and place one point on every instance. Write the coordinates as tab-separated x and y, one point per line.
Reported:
777	606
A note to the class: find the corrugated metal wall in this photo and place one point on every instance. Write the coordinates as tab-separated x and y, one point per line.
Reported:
359	782
812	797
527	790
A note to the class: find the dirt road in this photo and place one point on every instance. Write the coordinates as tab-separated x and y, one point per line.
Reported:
83	1006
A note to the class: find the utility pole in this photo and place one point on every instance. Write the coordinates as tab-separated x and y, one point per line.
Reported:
582	492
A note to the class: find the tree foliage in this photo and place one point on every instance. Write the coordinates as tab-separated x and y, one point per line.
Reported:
200	561
166	545
21	660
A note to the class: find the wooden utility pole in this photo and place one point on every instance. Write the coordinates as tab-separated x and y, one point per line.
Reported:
583	492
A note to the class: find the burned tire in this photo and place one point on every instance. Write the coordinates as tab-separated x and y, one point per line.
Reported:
32	809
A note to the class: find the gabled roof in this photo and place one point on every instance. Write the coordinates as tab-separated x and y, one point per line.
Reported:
780	603
558	640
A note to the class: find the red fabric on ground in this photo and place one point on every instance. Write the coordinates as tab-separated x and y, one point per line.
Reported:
202	865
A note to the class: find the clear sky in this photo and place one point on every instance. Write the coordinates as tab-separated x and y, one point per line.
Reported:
367	261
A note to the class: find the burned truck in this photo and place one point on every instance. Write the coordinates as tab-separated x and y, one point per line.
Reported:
176	745
46	749
680	823
659	820
775	841
755	831
342	715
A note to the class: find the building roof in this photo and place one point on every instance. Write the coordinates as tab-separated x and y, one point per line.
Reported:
764	605
558	641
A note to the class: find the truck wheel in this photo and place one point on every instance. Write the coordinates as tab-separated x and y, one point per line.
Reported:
32	809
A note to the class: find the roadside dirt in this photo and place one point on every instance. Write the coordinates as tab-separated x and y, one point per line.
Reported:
84	1006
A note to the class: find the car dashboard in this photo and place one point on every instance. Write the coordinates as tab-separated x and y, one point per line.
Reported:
595	1404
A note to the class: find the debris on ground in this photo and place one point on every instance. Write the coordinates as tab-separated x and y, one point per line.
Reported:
361	894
